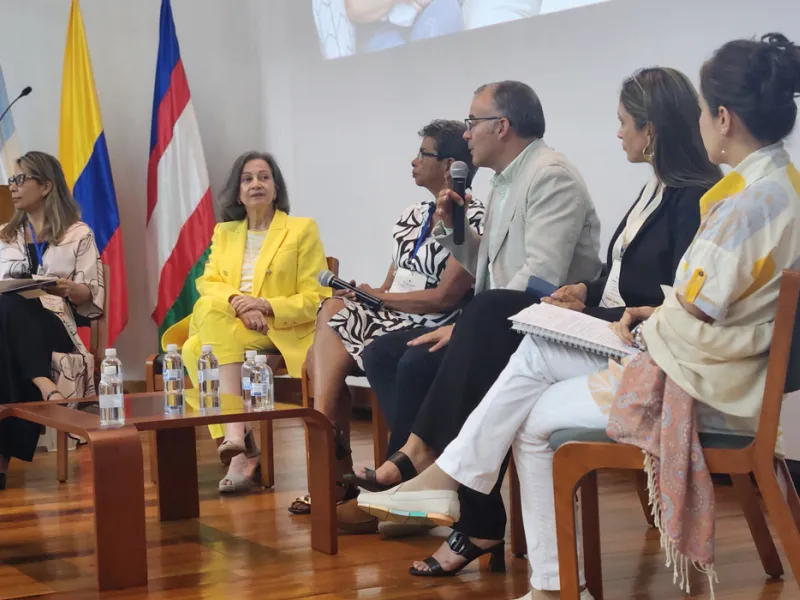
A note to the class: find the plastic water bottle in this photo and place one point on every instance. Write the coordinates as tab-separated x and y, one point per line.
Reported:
110	392
208	378
247	370
172	374
262	393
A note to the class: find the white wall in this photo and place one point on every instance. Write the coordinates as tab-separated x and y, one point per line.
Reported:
346	130
221	52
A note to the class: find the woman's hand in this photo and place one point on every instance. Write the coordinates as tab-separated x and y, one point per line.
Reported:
345	293
77	293
371	290
255	320
245	304
630	318
438	337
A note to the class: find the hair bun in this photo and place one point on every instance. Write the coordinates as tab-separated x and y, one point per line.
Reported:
786	59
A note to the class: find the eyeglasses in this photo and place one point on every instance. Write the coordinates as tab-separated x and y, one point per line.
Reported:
19	180
423	153
472	121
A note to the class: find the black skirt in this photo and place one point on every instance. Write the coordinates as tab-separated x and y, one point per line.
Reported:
29	334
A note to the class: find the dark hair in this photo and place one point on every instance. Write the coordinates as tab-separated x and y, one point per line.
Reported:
667	101
518	103
61	211
231	208
757	81
450	142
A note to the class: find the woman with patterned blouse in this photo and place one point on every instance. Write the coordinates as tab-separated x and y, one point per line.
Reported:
424	287
38	337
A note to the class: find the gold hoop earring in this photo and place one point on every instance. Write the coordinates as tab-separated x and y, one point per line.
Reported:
649	152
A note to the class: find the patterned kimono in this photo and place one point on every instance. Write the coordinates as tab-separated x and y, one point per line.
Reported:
75	257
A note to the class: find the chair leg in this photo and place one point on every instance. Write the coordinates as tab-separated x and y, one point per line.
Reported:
564	481
62	456
590	524
519	546
790	491
267	454
781	516
380	431
759	529
644	497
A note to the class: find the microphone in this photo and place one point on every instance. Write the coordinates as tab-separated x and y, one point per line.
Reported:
458	173
23	93
330	280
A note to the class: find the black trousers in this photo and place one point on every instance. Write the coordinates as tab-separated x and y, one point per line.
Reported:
479	350
400	376
29	334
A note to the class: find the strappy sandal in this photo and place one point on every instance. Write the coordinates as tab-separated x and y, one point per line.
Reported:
370	481
461	545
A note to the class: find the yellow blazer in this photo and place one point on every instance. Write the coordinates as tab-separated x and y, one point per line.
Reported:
285	275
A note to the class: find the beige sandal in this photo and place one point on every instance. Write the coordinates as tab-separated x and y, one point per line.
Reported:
229	449
238	484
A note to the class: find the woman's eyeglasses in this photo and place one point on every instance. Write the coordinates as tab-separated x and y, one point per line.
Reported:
19	180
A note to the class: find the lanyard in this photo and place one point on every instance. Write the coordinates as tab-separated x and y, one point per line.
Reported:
39	249
423	235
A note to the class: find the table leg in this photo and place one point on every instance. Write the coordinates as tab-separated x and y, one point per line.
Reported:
118	478
178	496
320	483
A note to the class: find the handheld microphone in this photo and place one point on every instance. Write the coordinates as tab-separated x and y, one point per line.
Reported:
330	280
458	173
23	93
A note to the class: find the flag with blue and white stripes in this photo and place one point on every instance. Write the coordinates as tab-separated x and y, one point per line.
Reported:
9	146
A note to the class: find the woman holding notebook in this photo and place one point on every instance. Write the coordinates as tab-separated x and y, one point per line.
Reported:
44	237
658	115
706	346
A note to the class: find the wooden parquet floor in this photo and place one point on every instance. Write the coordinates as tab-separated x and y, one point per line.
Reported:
250	547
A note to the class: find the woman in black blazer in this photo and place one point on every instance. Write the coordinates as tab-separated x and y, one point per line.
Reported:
648	244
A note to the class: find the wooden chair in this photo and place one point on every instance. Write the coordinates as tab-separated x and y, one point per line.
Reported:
154	382
98	342
580	453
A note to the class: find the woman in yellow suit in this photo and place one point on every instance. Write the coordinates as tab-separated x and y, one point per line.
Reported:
259	291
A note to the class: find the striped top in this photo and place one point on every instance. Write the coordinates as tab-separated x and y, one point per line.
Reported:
255	239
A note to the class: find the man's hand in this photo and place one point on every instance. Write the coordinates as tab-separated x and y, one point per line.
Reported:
444	206
569	302
245	304
577	291
629	320
438	337
255	320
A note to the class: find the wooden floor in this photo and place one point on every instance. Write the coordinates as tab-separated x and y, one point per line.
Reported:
250	547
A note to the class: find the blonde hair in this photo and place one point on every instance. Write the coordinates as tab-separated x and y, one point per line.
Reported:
60	209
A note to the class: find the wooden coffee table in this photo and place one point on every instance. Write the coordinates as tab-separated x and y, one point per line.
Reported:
118	471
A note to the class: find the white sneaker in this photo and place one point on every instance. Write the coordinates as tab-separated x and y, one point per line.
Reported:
440	507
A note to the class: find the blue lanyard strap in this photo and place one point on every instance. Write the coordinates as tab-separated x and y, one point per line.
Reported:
423	235
39	248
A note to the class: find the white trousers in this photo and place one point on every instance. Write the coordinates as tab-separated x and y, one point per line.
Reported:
543	389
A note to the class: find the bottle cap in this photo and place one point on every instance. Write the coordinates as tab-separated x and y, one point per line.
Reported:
261	359
250	354
172	347
207	348
111	352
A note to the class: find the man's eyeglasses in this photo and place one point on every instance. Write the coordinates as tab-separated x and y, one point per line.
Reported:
19	180
423	153
472	121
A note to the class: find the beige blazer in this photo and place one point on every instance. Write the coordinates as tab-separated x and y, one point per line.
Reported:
548	228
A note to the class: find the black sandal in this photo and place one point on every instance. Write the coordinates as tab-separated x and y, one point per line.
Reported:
370	482
460	544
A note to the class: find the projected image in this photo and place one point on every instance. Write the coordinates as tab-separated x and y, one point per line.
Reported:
347	27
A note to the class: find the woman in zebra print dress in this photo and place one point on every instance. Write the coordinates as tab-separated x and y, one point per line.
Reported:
425	287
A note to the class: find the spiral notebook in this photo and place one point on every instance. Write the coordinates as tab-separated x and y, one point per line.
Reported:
571	329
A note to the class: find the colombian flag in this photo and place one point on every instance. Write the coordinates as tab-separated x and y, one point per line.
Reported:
83	154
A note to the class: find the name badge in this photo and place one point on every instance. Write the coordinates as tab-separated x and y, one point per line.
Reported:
406	280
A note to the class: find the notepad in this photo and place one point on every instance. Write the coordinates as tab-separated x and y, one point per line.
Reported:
9	286
572	329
